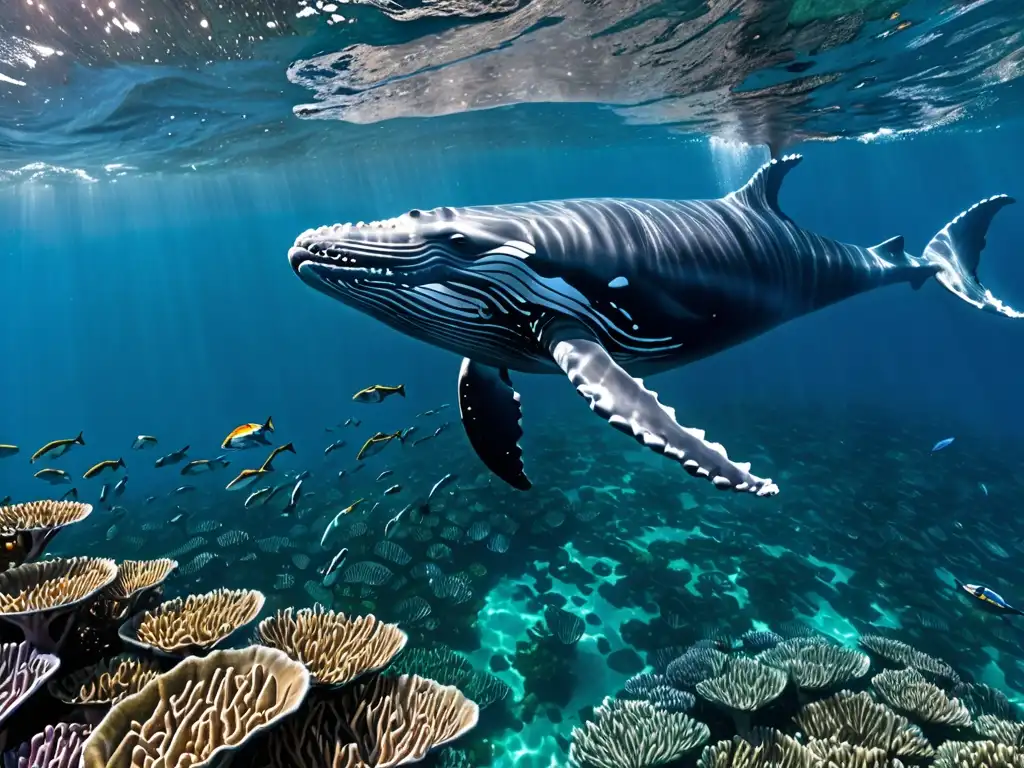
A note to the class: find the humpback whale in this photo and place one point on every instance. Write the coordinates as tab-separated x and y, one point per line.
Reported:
603	290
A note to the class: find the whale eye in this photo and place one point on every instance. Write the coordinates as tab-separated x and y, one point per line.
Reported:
415	213
459	240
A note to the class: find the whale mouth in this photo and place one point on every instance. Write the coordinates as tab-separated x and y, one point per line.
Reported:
381	251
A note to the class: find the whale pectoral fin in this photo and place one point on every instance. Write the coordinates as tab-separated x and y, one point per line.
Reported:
491	415
632	408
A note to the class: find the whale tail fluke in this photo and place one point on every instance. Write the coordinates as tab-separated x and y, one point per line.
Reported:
956	251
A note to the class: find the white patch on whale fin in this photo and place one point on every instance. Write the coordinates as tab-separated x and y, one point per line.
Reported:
618	282
762	191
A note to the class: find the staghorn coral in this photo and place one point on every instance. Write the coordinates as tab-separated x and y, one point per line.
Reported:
745	687
57	746
833	753
200	710
634	734
901	654
763	748
858	719
38	522
906	690
104	683
816	666
195	624
335	648
34	595
1003	731
23	670
978	754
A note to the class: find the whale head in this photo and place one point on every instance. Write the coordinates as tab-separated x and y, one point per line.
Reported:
445	276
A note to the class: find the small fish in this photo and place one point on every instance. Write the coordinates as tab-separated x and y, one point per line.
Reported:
183	489
377	393
198	466
374	508
104	492
395	520
276	490
142	442
423	439
293	501
341	474
255	496
988	599
172	458
302	475
71	495
406	432
943	444
248	477
425	414
330	575
385	473
181	518
334	523
894	15
444	482
350	422
117	512
984	488
376	444
54	476
56	448
149	500
6	500
442	406
109	466
248	436
8	450
119	488
393	490
440	429
334	446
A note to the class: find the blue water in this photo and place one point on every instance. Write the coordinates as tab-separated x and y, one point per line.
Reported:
166	306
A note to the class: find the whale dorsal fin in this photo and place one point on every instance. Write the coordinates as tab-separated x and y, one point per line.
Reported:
762	191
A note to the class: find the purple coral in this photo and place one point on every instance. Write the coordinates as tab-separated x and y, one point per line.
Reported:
23	670
58	746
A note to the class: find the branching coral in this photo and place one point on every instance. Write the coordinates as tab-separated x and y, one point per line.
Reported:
762	748
58	746
37	522
22	671
104	683
695	666
901	654
335	648
1003	731
978	754
136	579
634	734
906	690
745	687
34	595
200	710
816	666
196	624
858	719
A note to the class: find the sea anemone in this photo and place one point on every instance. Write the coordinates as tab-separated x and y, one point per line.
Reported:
907	691
761	748
107	682
200	710
860	720
695	666
136	580
978	754
57	746
745	687
34	595
37	522
634	734
193	625
335	648
23	670
816	666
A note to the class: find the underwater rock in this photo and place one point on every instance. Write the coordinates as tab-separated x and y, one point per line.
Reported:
625	661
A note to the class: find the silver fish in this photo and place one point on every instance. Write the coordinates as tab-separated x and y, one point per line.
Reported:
393	489
104	492
256	496
385	473
440	484
334	446
336	561
119	488
293	500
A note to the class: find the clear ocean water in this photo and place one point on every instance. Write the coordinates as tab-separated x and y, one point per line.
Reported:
158	160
